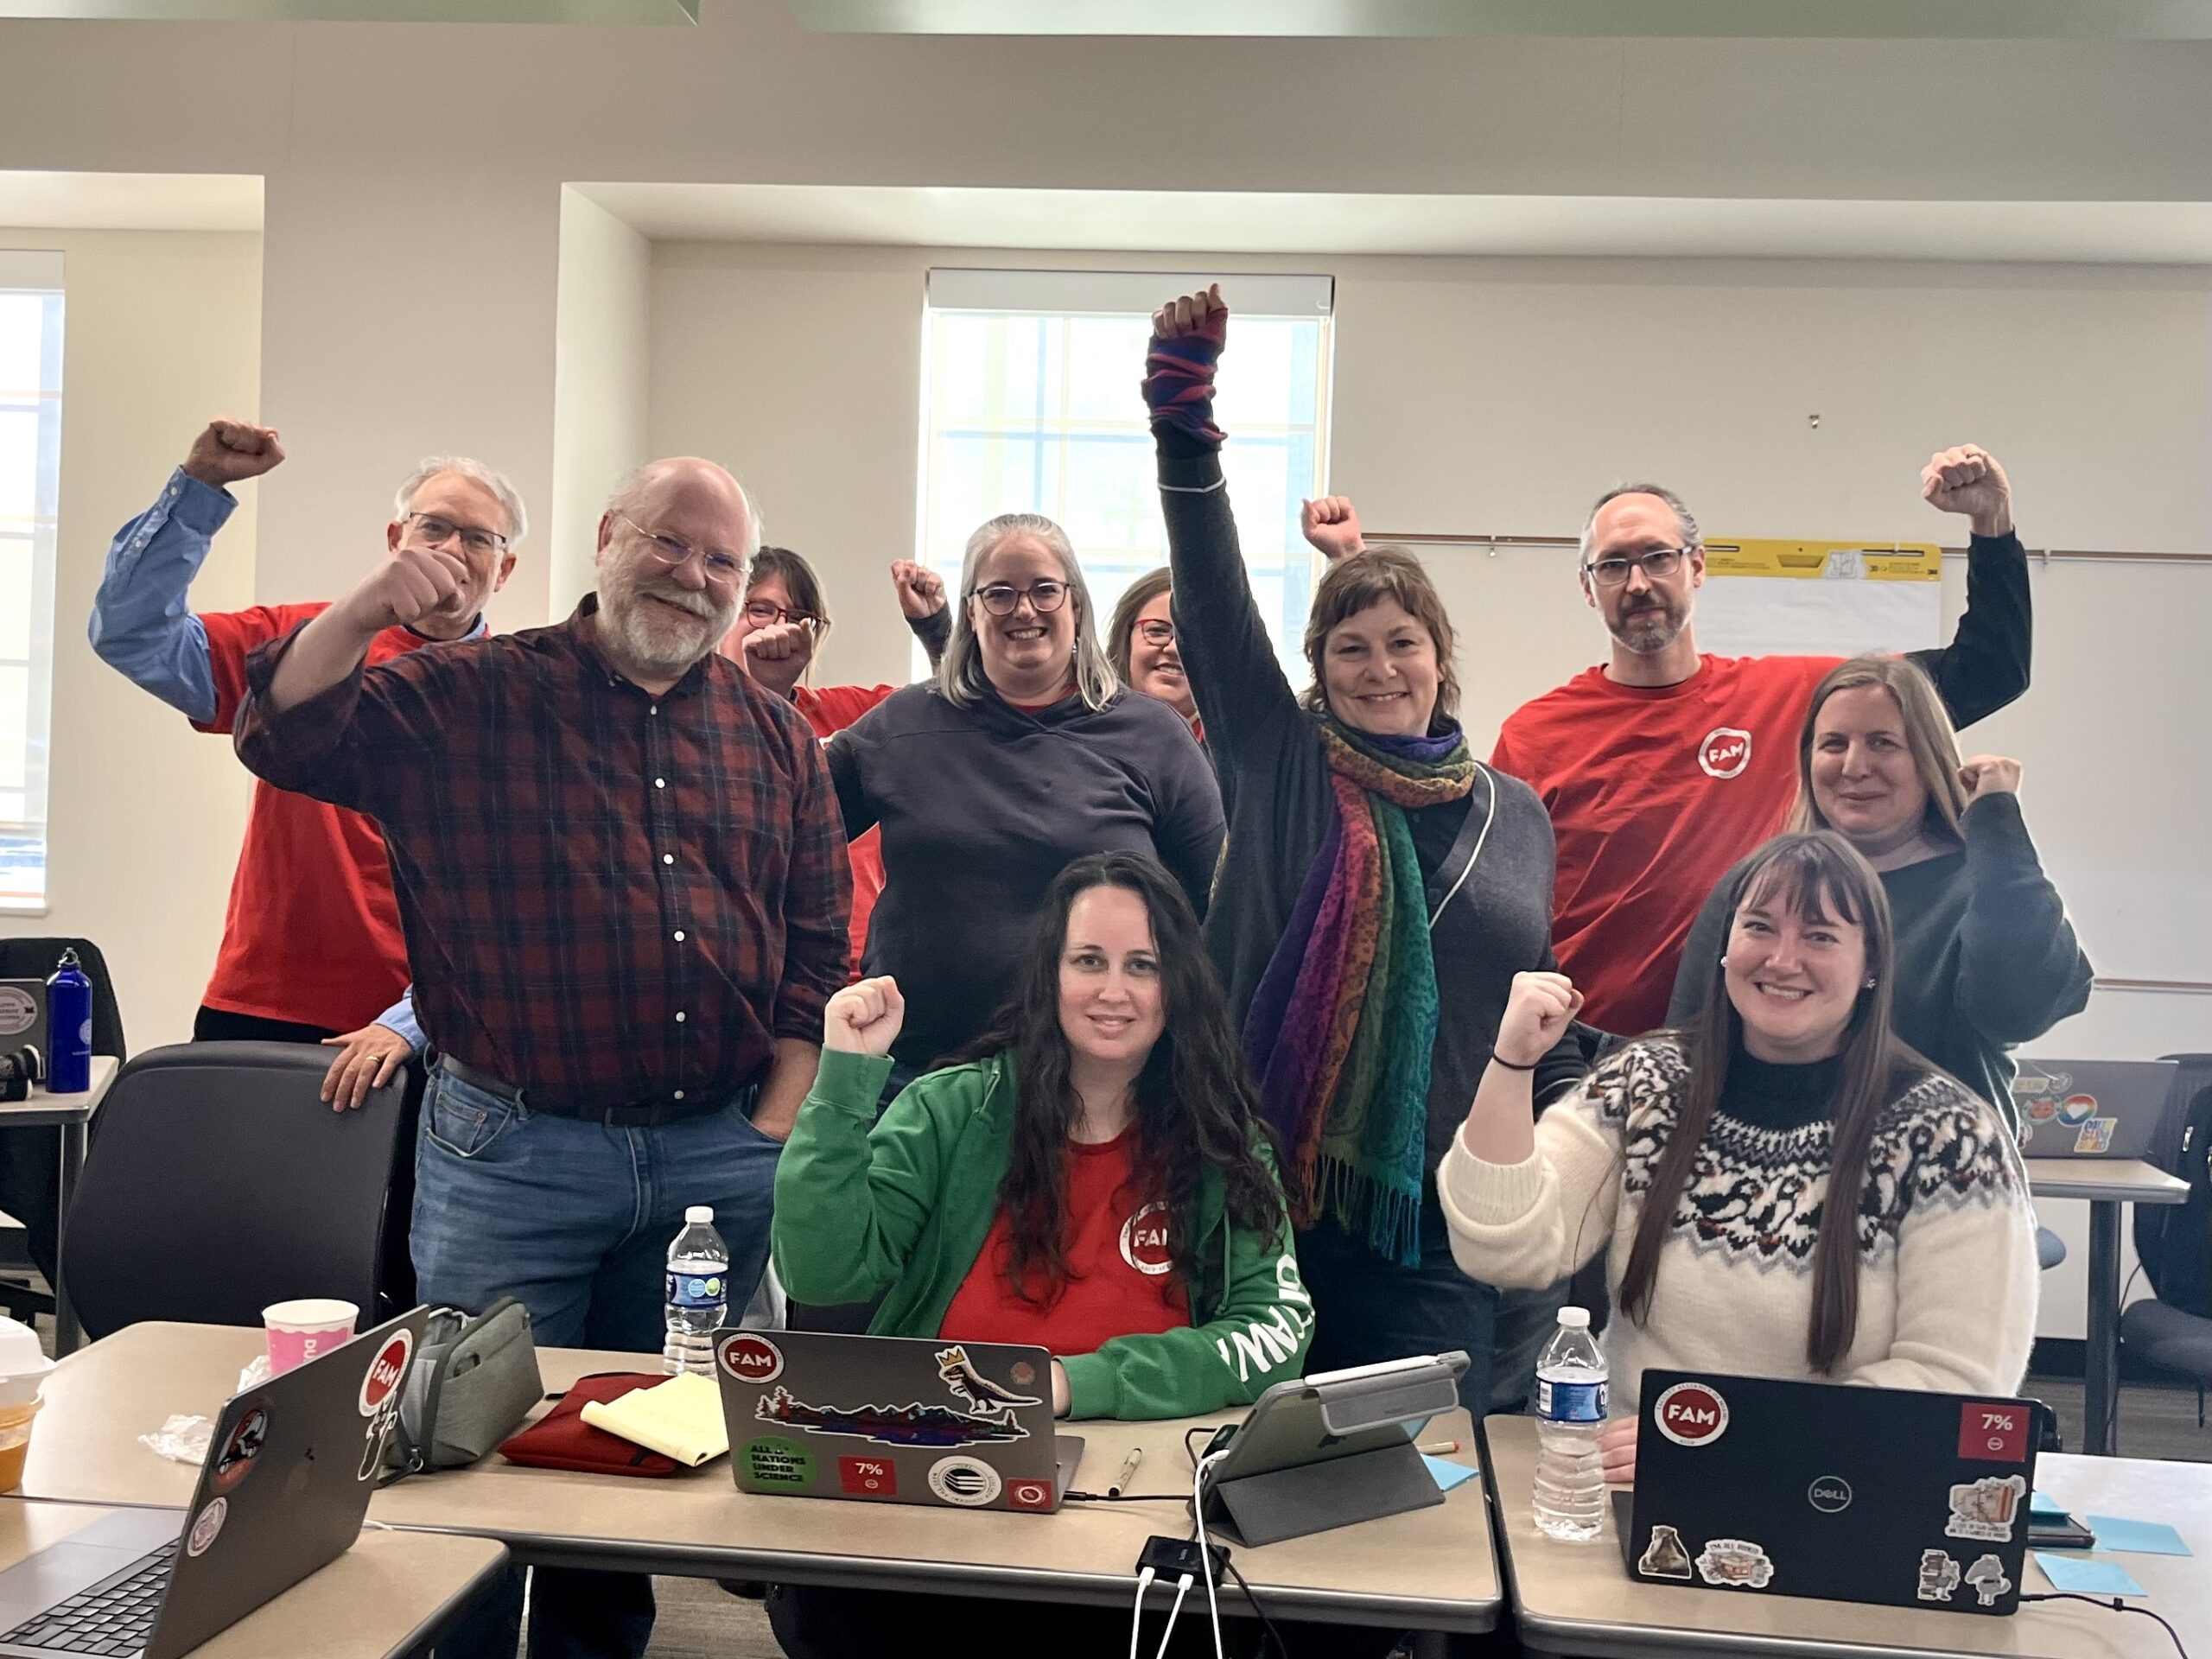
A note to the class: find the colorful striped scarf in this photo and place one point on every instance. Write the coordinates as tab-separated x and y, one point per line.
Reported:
1343	1022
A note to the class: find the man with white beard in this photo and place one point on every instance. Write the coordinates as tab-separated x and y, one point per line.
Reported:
622	879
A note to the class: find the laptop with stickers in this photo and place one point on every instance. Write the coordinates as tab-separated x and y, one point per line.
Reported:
2092	1109
290	1468
1886	1496
894	1420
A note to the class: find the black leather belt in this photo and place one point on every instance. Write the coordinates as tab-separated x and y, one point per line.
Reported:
627	1114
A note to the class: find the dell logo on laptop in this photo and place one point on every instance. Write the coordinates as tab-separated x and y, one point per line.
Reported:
1830	1494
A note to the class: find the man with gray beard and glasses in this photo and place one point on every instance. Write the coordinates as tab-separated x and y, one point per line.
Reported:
622	877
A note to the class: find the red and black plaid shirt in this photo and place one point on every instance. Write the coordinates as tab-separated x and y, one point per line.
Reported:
608	897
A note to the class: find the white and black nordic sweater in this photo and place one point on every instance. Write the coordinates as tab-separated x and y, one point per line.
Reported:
1946	1290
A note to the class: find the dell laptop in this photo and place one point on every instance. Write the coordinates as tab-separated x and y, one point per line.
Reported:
289	1471
894	1420
1887	1496
2092	1109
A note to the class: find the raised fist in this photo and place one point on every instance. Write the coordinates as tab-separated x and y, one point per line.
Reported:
412	584
1989	775
1538	1011
1204	314
921	592
776	655
864	1017
1968	479
1331	524
230	450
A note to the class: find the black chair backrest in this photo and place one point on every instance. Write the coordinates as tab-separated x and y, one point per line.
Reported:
219	1182
34	958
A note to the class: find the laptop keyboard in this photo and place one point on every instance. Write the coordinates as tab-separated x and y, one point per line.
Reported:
115	1615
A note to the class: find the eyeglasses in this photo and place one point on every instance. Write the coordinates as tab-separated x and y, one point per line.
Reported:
1000	597
763	613
475	538
1658	564
672	550
1156	632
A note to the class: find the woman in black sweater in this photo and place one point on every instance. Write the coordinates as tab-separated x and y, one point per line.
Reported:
1380	889
1985	956
1024	753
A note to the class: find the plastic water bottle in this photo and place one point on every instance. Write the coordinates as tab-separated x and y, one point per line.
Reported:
1570	1492
698	1294
69	1028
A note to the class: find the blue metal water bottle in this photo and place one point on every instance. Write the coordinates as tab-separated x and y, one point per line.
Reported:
69	1028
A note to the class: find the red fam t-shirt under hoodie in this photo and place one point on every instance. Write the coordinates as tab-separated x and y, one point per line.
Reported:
1120	1281
1654	792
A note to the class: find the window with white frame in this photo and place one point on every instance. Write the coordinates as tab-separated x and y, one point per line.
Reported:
30	471
1029	404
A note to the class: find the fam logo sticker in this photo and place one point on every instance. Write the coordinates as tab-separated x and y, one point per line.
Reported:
750	1358
1035	1495
1725	751
968	1482
386	1370
207	1527
1690	1413
1144	1239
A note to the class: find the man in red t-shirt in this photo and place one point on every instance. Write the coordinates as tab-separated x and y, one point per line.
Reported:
311	945
1663	766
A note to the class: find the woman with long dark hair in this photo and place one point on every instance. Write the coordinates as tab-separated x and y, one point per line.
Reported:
1706	1160
1090	1175
1986	957
1380	889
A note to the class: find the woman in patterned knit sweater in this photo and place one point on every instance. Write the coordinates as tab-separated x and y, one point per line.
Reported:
1702	1158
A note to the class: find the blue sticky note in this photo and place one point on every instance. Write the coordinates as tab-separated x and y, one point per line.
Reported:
1446	1474
2039	1504
2087	1574
2135	1537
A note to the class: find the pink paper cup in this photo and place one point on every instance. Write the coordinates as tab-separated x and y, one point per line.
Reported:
301	1331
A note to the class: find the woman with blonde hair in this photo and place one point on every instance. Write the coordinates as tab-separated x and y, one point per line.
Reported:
1985	956
1024	753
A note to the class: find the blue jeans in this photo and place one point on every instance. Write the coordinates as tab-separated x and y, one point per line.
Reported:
575	1218
1367	1310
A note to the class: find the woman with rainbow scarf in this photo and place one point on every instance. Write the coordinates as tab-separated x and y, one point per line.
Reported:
1379	890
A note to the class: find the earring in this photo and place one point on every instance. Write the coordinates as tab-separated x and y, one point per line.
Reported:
1724	962
1870	984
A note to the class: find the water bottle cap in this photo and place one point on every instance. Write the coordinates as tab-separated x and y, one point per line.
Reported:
706	1212
1574	1319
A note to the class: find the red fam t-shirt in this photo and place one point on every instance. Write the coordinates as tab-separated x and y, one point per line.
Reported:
312	934
1654	793
830	710
1121	1280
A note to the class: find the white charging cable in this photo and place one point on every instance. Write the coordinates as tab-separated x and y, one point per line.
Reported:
1136	1613
1182	1589
1205	1549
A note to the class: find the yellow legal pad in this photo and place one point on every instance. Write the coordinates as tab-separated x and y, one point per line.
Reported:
681	1418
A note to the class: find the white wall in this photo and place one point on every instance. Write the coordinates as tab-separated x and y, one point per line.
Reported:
161	331
601	324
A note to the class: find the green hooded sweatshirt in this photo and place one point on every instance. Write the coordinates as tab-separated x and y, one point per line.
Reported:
907	1204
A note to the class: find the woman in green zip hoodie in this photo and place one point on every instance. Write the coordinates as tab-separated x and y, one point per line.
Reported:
1093	1178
